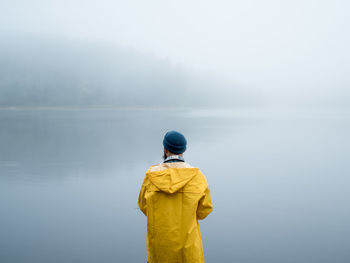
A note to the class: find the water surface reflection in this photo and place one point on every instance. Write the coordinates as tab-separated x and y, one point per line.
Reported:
70	179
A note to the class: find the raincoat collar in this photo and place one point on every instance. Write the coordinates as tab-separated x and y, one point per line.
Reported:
174	158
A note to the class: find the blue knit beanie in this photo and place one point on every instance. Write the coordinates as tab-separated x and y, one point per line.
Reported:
174	142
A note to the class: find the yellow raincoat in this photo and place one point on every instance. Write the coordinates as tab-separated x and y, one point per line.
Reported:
174	196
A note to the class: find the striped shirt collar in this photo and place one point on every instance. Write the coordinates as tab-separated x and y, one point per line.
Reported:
174	158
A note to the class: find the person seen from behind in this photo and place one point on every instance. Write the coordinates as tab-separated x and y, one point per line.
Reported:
174	196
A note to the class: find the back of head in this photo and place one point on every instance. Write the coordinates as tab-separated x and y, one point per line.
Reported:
175	142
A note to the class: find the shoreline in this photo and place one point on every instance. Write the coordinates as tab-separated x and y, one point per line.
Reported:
94	107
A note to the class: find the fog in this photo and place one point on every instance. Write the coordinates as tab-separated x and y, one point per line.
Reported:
59	72
260	89
296	53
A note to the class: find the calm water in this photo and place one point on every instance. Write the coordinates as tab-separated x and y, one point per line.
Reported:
69	183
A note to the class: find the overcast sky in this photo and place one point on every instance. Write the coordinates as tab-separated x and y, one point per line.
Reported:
292	50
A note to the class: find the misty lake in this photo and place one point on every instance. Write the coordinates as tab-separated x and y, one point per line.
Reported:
70	179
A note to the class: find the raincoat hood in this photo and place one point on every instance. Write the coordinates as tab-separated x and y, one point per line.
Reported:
171	180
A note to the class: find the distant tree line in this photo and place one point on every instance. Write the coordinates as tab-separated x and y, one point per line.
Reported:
43	72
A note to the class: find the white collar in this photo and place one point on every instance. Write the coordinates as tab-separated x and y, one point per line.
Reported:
174	157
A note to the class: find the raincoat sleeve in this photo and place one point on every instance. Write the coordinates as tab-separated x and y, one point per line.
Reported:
205	205
142	200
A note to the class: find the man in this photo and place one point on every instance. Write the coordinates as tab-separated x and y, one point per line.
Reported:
173	196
